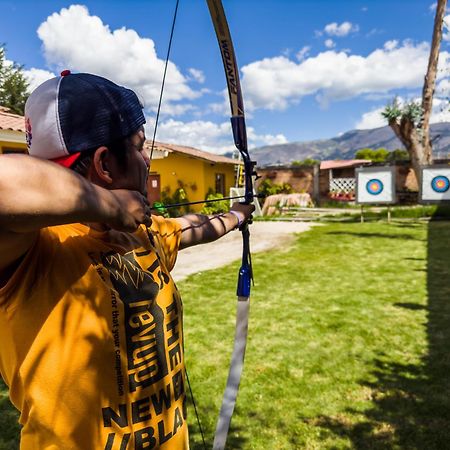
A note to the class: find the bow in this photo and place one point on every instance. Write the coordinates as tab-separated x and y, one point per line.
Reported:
245	272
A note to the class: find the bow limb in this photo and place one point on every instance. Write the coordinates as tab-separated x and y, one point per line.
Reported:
245	272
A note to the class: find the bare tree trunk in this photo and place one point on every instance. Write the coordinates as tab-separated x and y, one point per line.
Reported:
408	135
430	80
416	139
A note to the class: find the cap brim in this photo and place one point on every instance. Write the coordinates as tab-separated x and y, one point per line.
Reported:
68	160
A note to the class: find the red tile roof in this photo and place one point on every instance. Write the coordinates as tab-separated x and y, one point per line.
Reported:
190	151
10	121
340	163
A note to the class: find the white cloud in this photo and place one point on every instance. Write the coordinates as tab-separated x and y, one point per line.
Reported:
8	63
433	6
78	41
222	108
259	140
440	112
35	77
197	75
329	43
390	45
276	83
371	119
446	28
378	97
374	32
344	29
374	119
209	136
302	53
442	88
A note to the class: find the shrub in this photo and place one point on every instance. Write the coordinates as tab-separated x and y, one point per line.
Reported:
167	199
217	207
268	187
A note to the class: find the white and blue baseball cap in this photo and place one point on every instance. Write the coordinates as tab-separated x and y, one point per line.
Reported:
67	115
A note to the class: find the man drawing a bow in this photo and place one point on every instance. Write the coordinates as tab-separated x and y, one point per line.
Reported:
90	318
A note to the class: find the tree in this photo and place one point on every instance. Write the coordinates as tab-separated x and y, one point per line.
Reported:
379	155
364	153
13	85
399	155
411	123
306	162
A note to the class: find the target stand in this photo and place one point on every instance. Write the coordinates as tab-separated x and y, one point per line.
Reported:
375	186
434	184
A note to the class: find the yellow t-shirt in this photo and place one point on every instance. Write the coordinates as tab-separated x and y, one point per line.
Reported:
91	341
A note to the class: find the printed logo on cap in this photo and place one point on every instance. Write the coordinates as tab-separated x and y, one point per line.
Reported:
374	186
28	134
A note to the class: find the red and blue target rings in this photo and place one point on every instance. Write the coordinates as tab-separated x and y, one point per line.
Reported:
374	186
440	184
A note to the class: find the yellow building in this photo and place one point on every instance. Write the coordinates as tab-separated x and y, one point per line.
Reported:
176	172
188	172
12	132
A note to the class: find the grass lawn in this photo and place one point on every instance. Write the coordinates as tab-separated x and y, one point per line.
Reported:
349	342
9	428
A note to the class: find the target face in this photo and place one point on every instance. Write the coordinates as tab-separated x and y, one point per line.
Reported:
374	186
440	184
435	185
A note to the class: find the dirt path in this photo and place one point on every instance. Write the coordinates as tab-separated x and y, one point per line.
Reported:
264	235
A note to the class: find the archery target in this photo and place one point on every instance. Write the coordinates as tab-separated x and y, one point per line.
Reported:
435	185
440	184
375	185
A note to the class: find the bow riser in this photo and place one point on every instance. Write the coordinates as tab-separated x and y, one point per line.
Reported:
240	135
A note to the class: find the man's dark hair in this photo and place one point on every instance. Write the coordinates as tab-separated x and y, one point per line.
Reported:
118	148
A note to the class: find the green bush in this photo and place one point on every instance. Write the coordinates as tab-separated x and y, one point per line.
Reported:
167	199
268	187
379	155
306	162
217	207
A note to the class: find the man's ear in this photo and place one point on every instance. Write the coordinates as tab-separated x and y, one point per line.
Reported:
101	164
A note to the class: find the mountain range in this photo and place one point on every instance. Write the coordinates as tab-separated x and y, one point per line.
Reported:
346	145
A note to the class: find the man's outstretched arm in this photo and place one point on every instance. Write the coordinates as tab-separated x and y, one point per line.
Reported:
200	229
35	194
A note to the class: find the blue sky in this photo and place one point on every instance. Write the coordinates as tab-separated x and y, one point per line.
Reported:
309	69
